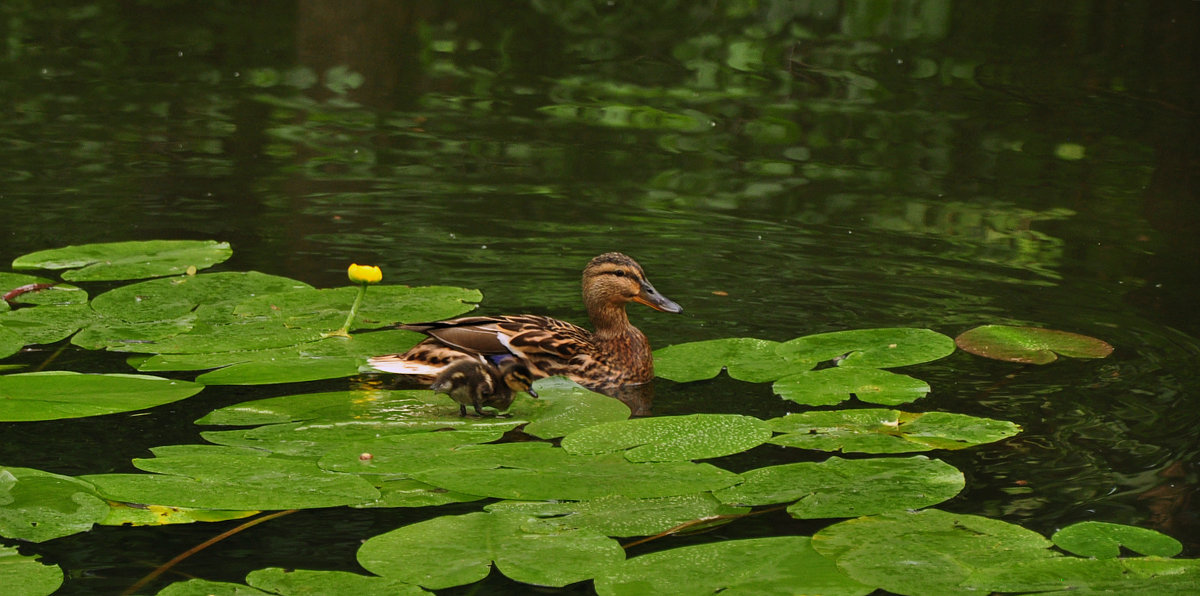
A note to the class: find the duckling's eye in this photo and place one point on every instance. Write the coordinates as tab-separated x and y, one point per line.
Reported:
619	273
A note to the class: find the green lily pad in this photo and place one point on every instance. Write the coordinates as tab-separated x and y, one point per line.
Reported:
204	587
54	395
138	316
536	471
456	550
10	342
1066	576
831	386
240	482
38	506
671	438
287	582
565	407
24	576
47	324
107	333
398	491
289	362
402	454
382	306
874	430
1030	345
345	421
1104	540
874	348
165	299
57	294
328	358
315	423
927	551
127	260
840	487
746	358
783	565
121	514
618	515
356	404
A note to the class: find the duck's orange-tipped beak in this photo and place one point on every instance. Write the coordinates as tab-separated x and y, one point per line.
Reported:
650	297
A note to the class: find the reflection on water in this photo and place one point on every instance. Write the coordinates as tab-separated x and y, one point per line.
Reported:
781	168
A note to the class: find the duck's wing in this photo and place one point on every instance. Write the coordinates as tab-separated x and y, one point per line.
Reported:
473	335
544	343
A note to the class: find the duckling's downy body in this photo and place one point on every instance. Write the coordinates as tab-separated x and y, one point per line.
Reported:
478	383
616	354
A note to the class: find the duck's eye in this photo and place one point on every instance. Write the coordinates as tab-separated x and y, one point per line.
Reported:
619	273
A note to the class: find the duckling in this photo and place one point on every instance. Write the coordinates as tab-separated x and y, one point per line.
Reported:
479	383
616	354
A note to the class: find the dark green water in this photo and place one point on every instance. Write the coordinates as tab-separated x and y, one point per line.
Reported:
826	165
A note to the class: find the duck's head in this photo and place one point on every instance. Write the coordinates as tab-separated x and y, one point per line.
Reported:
517	376
614	279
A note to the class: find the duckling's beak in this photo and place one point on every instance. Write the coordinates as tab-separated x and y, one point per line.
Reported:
531	392
650	297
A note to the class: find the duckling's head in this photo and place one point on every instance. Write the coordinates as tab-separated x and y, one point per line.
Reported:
614	279
517	377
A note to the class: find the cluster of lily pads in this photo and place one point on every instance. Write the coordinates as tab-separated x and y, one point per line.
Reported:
556	503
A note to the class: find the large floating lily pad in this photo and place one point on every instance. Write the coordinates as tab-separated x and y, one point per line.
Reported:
312	424
355	404
456	550
531	471
398	491
403	454
783	565
39	506
122	514
1104	540
22	575
746	358
139	316
564	407
30	289
875	348
831	386
127	260
1066	576
840	487
303	581
163	299
875	430
928	551
345	421
381	307
205	587
1030	345
47	324
241	482
60	394
10	342
618	515
671	438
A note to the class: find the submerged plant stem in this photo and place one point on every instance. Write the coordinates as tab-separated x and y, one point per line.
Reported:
165	567
51	358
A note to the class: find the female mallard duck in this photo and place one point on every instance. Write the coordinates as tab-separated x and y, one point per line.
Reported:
478	383
615	354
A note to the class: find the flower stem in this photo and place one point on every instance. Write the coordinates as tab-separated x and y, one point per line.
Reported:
345	330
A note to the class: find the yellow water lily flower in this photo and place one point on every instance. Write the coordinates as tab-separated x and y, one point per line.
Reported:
364	274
